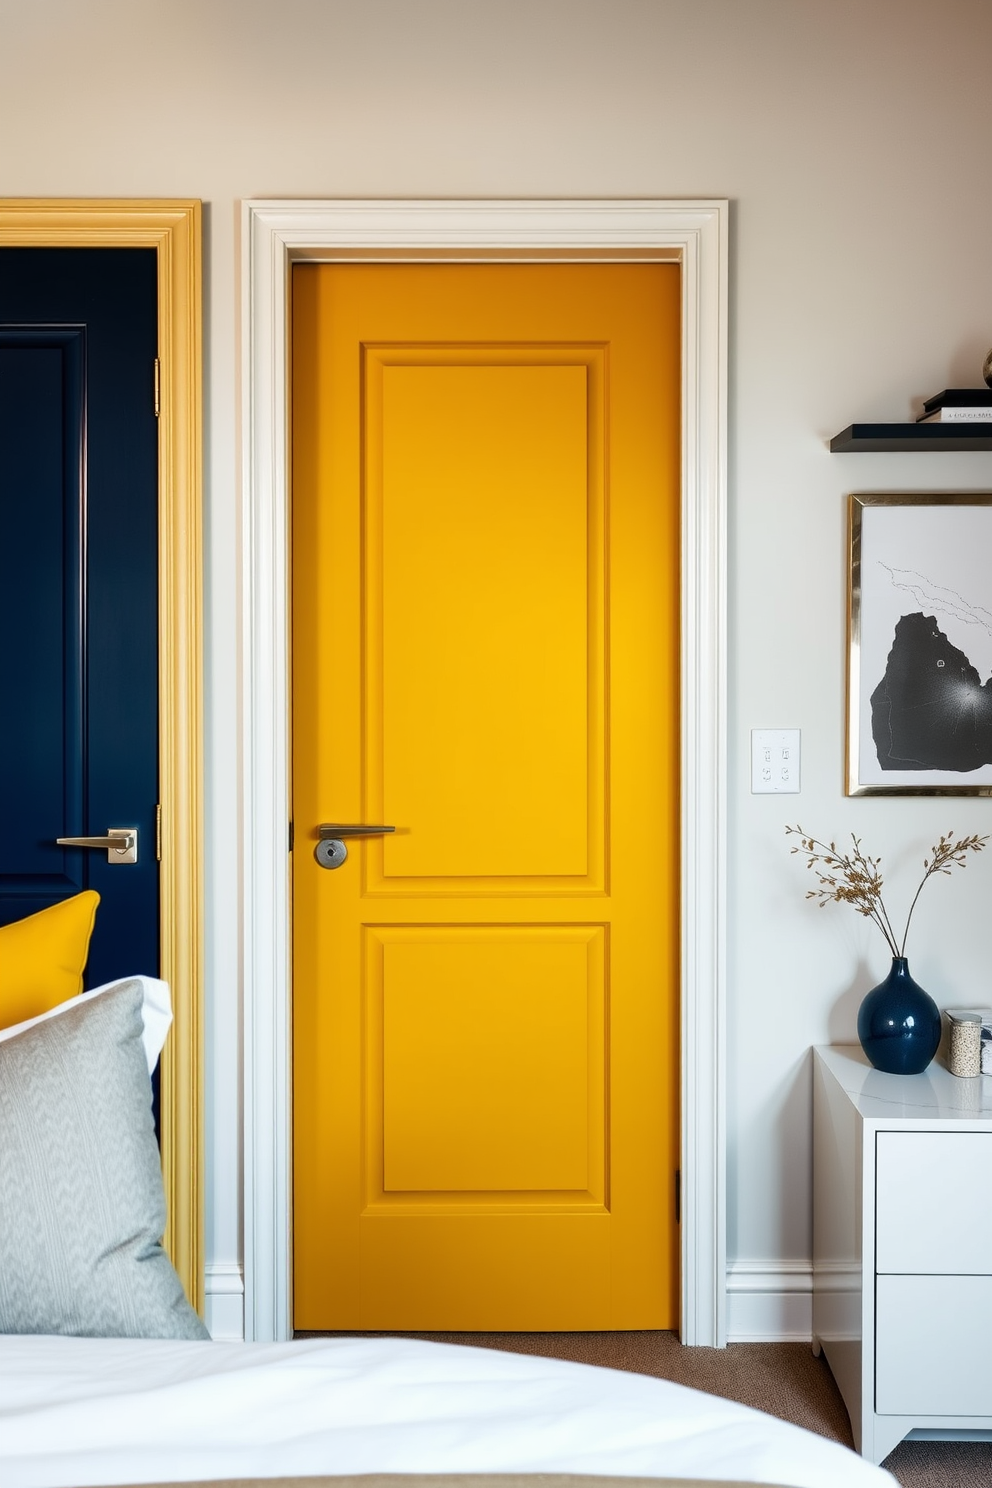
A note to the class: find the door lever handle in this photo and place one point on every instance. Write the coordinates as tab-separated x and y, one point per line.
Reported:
332	829
120	844
330	851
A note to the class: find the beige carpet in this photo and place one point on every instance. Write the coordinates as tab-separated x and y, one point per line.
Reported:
781	1378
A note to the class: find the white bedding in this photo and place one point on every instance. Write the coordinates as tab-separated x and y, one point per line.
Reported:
80	1411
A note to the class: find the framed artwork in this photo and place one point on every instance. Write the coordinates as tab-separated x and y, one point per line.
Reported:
919	682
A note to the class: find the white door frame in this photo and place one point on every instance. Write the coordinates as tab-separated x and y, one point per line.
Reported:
275	234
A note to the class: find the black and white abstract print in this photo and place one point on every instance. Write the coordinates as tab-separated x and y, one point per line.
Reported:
926	645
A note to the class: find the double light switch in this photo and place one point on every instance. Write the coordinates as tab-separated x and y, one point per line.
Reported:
775	761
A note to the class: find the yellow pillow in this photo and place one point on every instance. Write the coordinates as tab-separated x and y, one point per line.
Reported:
42	958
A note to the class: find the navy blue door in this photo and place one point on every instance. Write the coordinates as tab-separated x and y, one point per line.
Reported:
79	589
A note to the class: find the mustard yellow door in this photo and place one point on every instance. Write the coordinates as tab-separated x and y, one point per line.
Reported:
485	643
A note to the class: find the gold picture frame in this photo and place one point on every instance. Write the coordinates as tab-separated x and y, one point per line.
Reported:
919	715
173	229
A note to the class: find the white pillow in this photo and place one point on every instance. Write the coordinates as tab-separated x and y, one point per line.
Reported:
156	1013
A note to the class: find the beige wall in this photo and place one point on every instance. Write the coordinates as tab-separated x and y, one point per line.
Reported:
852	140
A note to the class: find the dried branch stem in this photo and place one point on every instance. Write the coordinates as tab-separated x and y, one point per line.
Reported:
855	878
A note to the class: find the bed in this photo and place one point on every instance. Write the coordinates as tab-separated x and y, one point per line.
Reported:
83	1411
107	1376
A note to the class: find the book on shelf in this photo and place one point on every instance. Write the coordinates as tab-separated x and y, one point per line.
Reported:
958	398
978	413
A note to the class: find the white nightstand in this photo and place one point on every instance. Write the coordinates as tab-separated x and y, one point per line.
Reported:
902	1248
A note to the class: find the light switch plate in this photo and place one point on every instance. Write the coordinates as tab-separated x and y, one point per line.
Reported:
775	758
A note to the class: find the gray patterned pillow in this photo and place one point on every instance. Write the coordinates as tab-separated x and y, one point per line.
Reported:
82	1208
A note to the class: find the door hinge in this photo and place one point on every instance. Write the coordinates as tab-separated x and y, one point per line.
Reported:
158	386
291	837
678	1195
158	833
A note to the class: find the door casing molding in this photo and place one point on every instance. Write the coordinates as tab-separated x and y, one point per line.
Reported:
172	228
275	234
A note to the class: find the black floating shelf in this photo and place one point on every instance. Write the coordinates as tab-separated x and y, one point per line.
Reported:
870	437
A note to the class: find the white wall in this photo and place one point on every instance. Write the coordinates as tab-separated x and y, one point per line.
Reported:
852	139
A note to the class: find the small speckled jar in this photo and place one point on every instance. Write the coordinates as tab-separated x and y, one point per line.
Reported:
964	1052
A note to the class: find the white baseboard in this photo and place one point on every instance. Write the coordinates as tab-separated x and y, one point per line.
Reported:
769	1302
224	1300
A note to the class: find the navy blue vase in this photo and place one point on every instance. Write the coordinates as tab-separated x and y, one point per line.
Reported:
899	1023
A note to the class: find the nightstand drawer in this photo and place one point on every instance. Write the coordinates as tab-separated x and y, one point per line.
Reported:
932	1339
933	1202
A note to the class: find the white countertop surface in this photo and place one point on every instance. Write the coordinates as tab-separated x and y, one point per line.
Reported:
936	1095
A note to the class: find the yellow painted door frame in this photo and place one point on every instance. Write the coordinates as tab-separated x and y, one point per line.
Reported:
173	229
